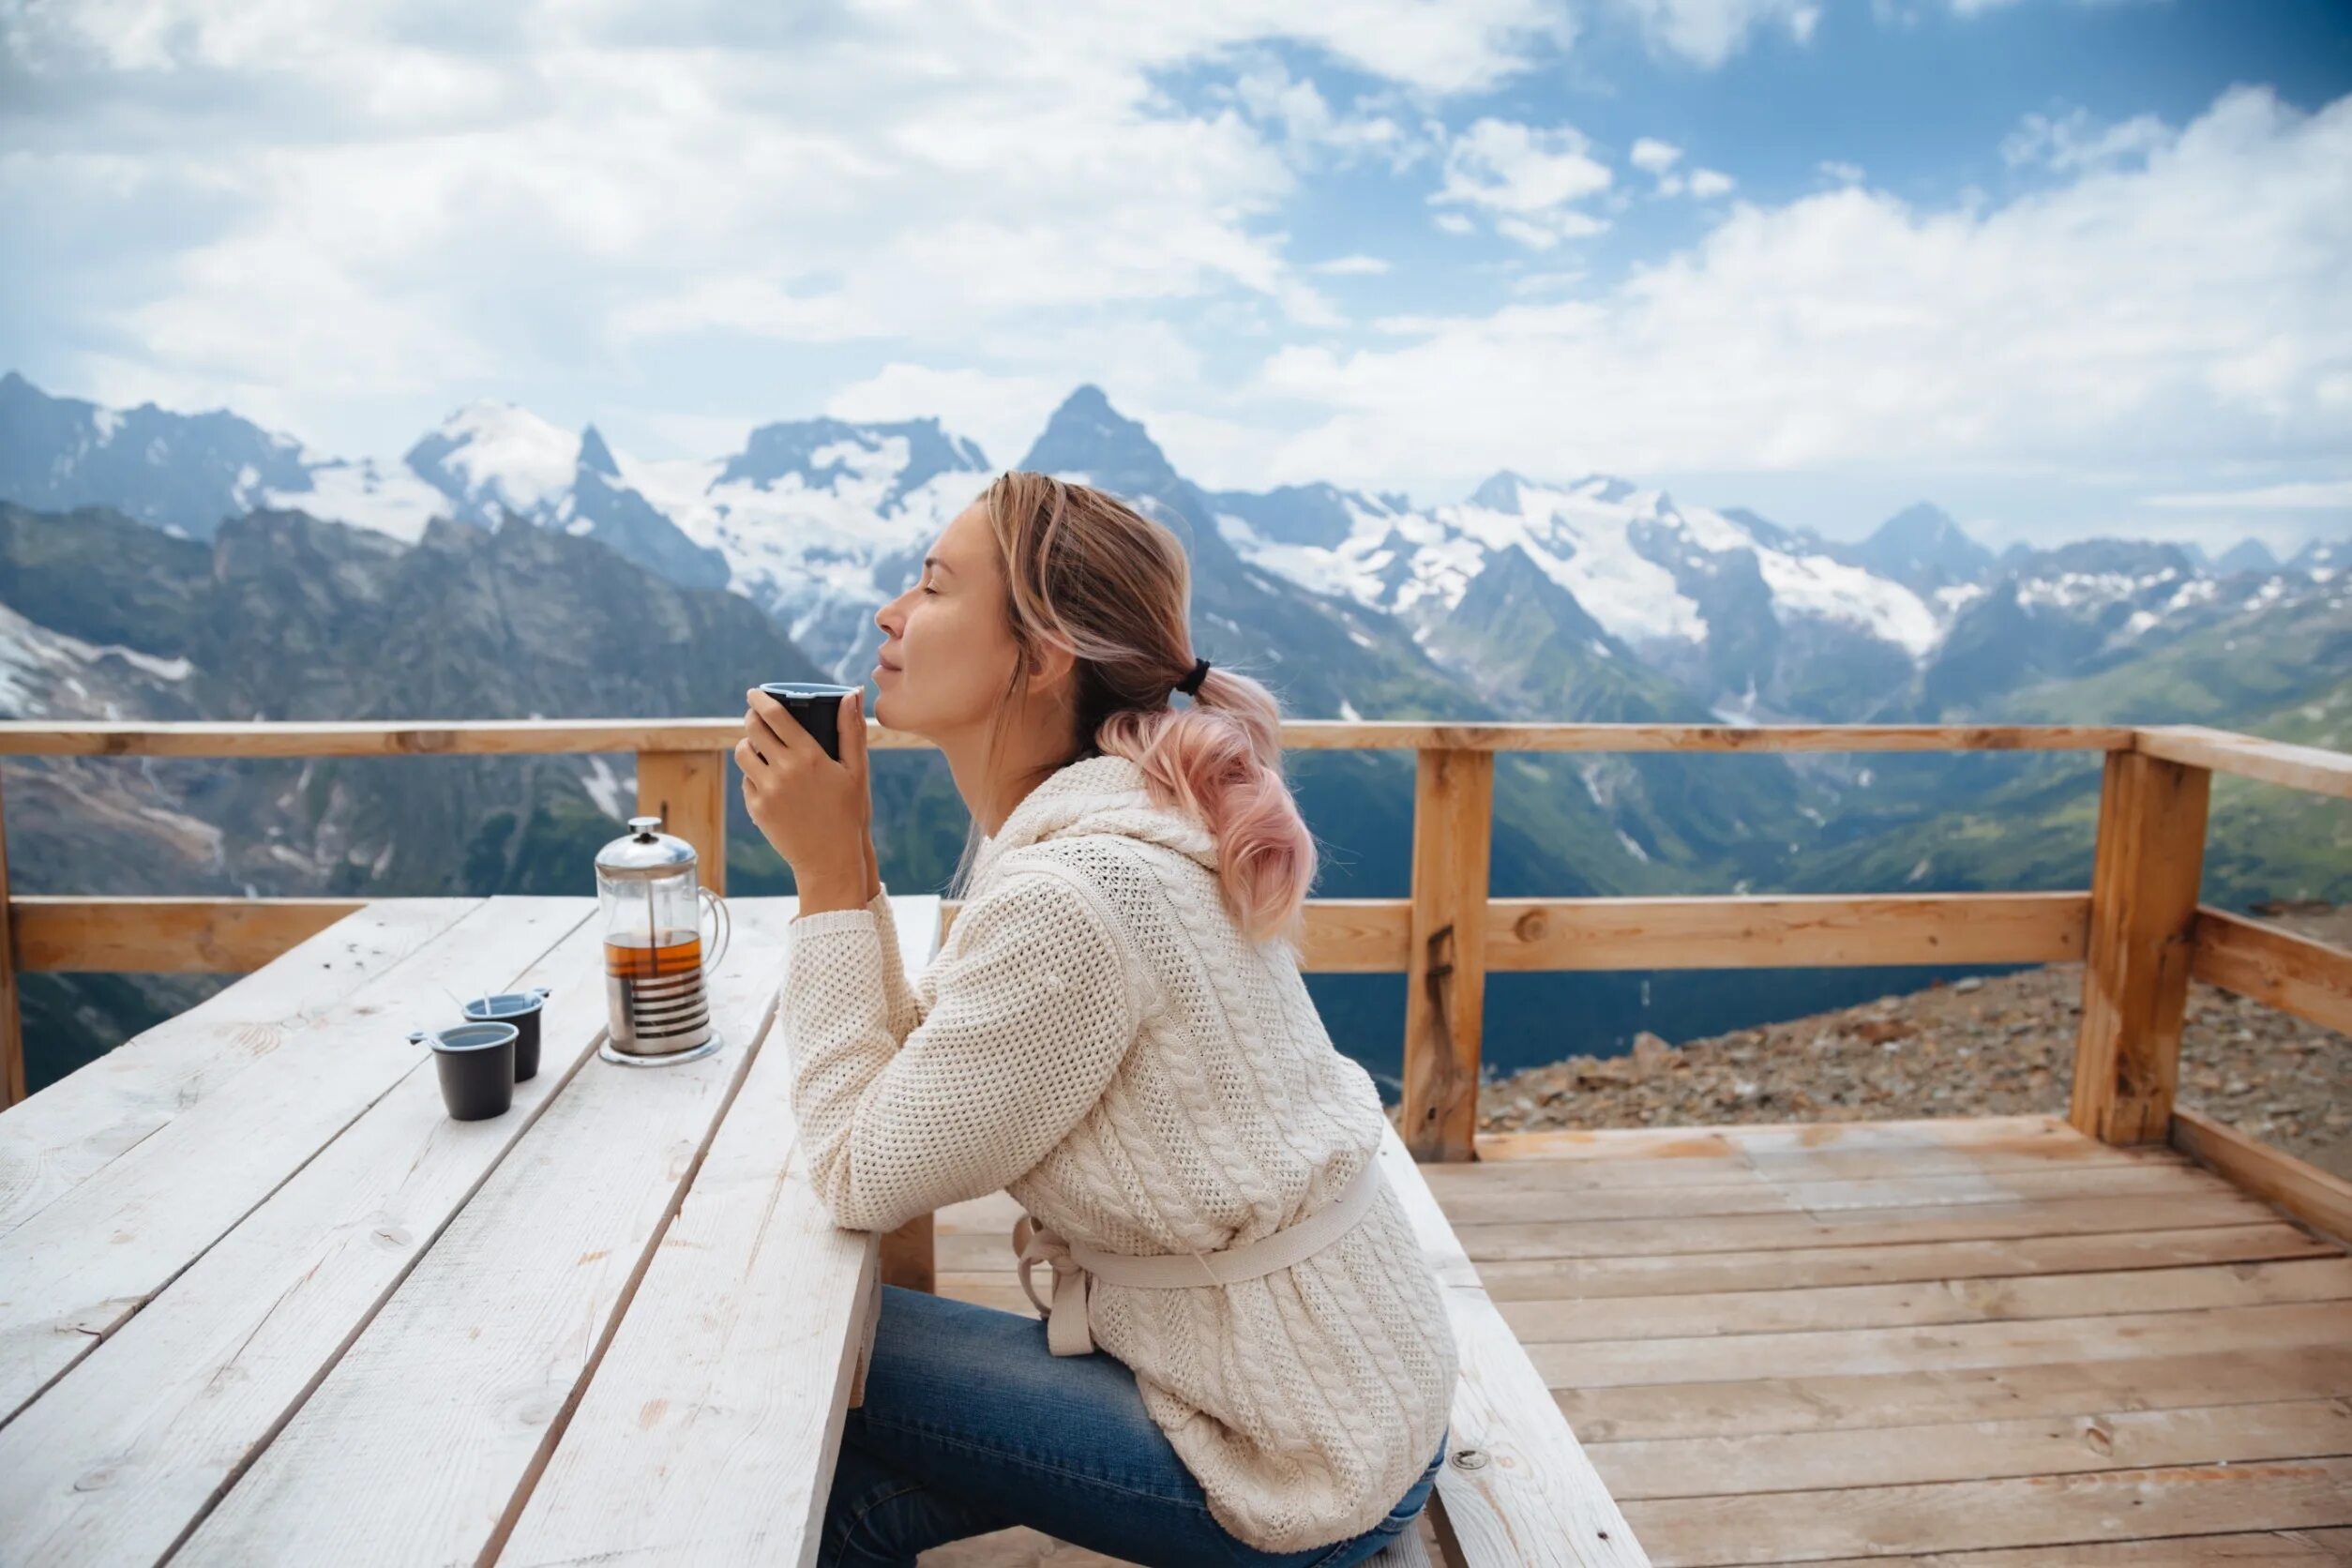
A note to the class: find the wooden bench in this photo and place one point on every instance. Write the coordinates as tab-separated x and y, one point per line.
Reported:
1516	1491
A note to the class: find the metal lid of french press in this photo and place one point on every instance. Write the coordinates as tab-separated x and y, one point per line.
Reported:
645	851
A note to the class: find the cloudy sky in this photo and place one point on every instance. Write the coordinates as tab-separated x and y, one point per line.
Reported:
2065	266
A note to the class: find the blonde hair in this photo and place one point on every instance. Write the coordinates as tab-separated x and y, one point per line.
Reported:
1087	573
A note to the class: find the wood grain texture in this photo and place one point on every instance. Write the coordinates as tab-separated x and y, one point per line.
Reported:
1840	1401
2292	974
72	1273
2320	1198
548	737
2309	768
1515	1487
1975	1451
2029	1511
421	1440
14	1084
77	1125
687	791
1445	957
2135	976
167	936
1895	1262
710	1430
1798	1307
128	1450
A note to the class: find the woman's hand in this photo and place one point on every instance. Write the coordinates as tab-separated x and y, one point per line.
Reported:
818	813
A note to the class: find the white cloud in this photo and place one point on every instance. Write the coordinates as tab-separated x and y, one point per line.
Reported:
1525	178
309	208
1842	172
1708	184
2141	319
1709	32
1352	266
1653	157
2320	495
2078	142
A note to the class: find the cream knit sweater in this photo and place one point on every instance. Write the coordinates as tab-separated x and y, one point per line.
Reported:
1098	1038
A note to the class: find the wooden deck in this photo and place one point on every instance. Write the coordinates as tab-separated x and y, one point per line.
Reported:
1885	1342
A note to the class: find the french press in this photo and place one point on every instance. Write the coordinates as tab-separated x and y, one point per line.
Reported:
656	972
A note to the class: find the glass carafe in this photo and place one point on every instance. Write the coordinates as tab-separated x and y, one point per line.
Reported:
652	906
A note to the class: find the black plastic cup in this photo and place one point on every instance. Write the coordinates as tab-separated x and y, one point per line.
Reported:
818	707
521	1009
476	1062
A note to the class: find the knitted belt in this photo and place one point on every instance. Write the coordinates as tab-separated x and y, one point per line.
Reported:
1066	1332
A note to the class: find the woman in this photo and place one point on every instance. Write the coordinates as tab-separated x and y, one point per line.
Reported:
1246	1359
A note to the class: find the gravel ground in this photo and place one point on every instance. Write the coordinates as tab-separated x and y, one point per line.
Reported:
1978	1048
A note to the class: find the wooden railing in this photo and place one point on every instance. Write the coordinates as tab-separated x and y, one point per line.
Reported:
2138	928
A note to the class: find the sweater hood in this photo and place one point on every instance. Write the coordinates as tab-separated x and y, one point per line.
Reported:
1096	794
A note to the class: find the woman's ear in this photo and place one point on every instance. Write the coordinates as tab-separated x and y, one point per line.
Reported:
1053	671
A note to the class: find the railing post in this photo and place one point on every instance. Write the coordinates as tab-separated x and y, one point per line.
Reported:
2135	969
14	1085
687	791
1445	974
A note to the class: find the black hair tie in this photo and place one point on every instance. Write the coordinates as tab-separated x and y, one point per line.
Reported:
1191	683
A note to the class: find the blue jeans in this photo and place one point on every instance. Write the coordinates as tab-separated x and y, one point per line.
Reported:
970	1425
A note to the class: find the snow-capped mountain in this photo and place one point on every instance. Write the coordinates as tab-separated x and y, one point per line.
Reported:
2081	609
1741	611
820	520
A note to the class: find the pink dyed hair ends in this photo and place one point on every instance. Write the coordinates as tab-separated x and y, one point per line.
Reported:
1087	572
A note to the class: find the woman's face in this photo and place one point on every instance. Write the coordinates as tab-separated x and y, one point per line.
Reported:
947	651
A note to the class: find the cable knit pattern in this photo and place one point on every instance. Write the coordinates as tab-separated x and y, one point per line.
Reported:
1099	1039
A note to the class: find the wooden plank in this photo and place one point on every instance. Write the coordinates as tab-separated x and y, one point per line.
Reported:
1450	1182
2026	1511
1372	936
419	1441
129	1449
1930	1302
1520	1202
1956	1222
1846	1400
1975	1451
14	1084
1784	931
2135	977
71	1275
2292	974
1711	1358
1515	1487
167	936
1747	1141
1895	1262
79	1125
2265	1549
909	1258
687	791
718	1444
551	736
2318	1198
1445	957
2308	768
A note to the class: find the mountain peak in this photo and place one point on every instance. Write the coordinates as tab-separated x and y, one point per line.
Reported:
595	455
1923	548
1087	435
1500	492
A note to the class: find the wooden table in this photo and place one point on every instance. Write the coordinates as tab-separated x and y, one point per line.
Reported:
261	1300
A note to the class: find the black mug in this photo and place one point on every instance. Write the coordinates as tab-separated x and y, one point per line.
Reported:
521	1009
476	1062
817	704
